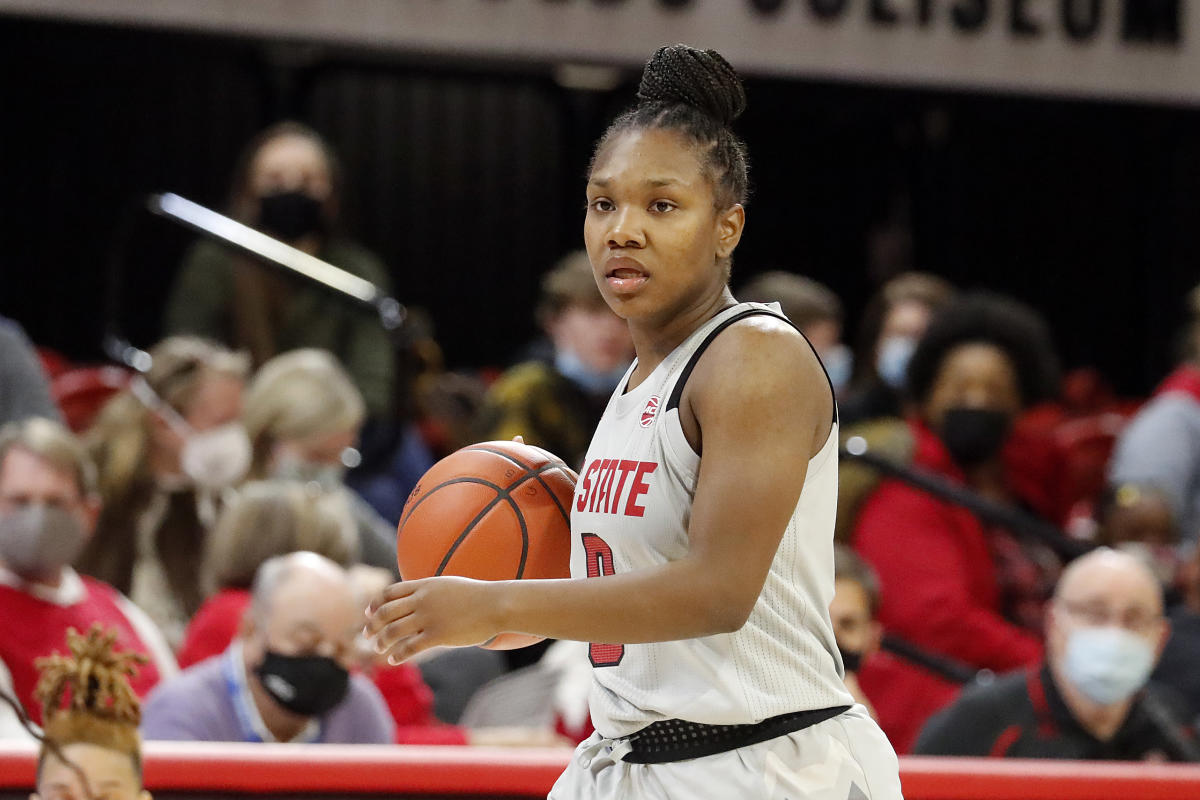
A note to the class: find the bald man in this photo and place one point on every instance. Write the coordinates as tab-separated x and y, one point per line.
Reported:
286	677
1105	631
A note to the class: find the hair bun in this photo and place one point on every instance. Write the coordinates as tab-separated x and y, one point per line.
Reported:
702	79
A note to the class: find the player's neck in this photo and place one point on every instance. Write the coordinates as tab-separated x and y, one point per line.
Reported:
654	341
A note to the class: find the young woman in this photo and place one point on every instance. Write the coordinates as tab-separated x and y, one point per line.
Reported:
703	521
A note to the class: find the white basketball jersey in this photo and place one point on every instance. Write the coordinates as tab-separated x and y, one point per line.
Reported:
631	511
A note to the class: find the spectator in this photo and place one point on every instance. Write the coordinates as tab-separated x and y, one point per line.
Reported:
1090	699
24	390
267	519
95	737
1138	520
1179	665
48	509
948	584
288	183
893	322
304	415
556	402
166	449
286	678
855	604
873	407
815	309
1161	446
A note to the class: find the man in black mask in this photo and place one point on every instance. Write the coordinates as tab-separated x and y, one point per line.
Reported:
286	678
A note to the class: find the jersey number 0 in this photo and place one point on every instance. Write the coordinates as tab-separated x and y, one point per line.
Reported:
600	562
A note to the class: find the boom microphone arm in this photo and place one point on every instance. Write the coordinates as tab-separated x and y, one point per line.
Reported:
278	254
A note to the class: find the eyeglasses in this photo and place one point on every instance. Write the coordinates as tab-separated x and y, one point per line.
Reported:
1097	615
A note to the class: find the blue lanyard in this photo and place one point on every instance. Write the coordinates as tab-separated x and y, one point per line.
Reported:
239	694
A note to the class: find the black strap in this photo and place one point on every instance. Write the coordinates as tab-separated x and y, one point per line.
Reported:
677	392
678	740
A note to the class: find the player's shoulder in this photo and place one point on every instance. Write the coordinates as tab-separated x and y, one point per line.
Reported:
763	348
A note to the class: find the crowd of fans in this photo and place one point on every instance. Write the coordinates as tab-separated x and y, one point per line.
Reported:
226	513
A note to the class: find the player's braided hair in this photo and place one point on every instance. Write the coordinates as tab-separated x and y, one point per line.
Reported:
93	680
697	94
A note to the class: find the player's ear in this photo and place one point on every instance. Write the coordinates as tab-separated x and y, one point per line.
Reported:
730	224
145	795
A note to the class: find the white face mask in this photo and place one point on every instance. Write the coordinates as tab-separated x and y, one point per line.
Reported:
1107	664
213	459
892	360
216	458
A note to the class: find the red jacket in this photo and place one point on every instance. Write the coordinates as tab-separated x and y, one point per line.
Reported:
938	590
31	627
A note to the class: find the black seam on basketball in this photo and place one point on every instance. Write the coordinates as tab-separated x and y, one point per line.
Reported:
501	494
566	515
467	530
462	479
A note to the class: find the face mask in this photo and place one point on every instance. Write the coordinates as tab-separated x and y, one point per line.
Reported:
289	215
216	458
839	364
973	435
1107	664
851	659
572	367
212	459
39	540
330	477
892	360
305	685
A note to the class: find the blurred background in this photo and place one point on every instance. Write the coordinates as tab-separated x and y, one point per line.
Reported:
1002	162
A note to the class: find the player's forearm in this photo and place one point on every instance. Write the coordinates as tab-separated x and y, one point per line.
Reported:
679	600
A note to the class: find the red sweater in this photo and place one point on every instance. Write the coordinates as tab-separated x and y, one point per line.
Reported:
408	698
938	590
31	627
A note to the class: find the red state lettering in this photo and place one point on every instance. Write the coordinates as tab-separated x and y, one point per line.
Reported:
638	488
596	487
626	467
603	484
586	486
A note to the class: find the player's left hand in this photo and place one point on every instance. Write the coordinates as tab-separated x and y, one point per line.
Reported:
409	617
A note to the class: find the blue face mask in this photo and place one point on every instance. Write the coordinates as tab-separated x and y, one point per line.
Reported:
839	365
572	367
891	362
1107	664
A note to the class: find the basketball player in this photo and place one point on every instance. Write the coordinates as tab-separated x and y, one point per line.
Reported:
702	554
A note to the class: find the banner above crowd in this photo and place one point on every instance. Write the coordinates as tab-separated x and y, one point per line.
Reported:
1122	49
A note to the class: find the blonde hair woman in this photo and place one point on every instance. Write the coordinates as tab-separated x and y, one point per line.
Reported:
165	448
267	519
303	415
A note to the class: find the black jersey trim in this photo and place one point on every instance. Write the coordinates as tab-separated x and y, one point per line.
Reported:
677	392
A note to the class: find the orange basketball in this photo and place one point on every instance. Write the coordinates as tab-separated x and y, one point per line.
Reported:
495	511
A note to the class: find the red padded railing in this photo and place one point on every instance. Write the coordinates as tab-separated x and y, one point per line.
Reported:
258	769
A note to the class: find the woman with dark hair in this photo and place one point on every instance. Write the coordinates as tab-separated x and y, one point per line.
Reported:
287	184
702	532
949	584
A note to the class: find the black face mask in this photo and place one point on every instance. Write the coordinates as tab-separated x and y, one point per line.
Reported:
974	435
305	685
851	659
289	215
